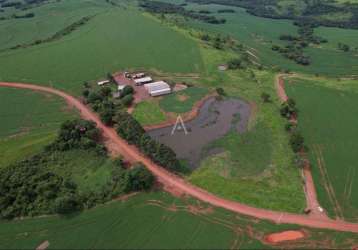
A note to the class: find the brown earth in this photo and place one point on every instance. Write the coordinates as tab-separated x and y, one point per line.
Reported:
284	236
132	154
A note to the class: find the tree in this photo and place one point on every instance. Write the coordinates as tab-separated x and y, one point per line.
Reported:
127	90
140	178
220	91
266	97
66	204
296	142
205	37
105	92
127	100
106	116
234	63
85	93
288	109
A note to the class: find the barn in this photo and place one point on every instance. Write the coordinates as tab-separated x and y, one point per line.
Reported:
158	88
144	80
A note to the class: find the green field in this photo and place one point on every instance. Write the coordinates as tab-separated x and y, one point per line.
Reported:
259	34
156	221
148	113
182	101
29	121
328	120
116	38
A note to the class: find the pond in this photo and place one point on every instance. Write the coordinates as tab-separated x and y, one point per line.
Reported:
216	118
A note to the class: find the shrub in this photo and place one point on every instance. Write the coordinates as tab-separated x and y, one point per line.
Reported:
127	100
140	178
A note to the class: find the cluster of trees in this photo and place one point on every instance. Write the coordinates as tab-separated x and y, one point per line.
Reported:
294	53
294	50
235	63
290	112
130	129
344	47
30	188
101	101
58	35
77	134
313	11
226	11
27	15
158	7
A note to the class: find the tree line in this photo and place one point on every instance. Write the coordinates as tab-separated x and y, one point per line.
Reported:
29	188
294	50
289	111
158	7
113	113
314	11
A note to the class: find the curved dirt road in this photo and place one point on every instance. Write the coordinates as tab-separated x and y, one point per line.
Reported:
170	180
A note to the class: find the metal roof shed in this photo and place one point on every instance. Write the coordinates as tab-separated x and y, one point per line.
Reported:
143	80
158	88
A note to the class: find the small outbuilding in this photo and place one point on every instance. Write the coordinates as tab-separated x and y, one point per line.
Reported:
158	88
103	82
144	80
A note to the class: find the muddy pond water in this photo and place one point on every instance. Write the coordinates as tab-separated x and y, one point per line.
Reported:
216	118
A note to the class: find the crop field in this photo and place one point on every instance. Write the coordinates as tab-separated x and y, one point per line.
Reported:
183	101
329	125
155	221
148	113
259	34
29	121
116	38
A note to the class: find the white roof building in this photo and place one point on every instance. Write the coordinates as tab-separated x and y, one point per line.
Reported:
158	88
121	87
103	82
143	80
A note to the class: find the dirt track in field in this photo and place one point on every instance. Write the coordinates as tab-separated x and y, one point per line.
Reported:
175	182
309	187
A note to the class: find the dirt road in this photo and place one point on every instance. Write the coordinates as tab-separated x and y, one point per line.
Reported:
170	180
309	188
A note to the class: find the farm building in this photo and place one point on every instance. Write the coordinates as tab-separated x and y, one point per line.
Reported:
103	82
121	87
158	88
143	80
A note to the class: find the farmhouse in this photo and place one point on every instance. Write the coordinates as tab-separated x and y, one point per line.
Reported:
144	80
158	88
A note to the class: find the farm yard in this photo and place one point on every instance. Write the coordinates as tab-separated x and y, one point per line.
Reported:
329	126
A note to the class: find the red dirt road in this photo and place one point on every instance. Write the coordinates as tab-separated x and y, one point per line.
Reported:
170	180
309	187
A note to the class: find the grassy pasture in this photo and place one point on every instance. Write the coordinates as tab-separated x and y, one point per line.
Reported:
182	101
259	34
148	112
115	39
29	120
328	120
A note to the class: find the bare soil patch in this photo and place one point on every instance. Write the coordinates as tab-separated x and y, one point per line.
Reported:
290	235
